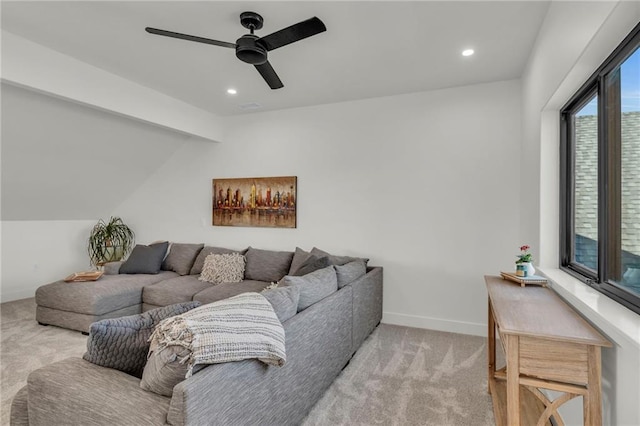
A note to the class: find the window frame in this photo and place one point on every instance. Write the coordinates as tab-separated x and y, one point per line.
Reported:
609	177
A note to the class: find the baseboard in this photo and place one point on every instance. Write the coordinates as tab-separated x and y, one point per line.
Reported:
439	324
9	295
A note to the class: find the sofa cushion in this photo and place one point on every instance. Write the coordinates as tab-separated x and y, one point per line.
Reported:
181	257
223	268
284	301
312	263
109	293
267	265
145	259
299	257
336	260
350	272
206	251
122	343
175	290
214	293
314	286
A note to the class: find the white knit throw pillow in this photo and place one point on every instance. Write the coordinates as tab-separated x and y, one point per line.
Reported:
223	268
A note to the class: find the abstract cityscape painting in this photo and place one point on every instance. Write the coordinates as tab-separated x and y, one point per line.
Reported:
265	201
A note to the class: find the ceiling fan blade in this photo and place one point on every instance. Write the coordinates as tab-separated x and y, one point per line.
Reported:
269	74
294	33
189	37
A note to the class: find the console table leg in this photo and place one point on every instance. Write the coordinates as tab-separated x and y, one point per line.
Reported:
592	401
513	379
491	349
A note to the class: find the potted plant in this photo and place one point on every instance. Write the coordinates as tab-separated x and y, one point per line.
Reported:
110	242
524	267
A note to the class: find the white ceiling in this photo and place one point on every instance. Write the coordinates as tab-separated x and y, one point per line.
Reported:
370	49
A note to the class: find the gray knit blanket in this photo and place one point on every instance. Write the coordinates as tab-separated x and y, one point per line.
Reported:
241	327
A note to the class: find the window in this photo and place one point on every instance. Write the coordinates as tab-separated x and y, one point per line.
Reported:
600	178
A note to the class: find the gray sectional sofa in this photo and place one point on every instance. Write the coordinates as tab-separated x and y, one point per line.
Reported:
320	340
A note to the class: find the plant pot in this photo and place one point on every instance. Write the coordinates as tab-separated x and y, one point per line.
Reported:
525	269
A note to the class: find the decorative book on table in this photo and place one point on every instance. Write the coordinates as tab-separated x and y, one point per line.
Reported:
533	279
84	276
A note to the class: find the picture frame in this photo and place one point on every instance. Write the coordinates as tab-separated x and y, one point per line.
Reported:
269	202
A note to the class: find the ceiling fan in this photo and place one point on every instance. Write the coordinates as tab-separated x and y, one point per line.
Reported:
253	49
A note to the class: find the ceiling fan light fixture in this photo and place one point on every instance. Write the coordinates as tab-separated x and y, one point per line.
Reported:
468	52
249	50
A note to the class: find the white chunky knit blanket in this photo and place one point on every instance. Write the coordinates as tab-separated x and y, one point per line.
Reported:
241	327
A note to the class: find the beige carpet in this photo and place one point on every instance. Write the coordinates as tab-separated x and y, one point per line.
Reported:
400	376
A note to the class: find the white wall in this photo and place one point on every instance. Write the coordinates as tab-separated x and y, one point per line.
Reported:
574	40
423	184
39	252
63	166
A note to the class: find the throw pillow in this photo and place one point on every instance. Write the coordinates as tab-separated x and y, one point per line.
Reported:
350	272
336	260
284	301
267	265
181	257
223	268
313	263
122	343
145	259
166	368
112	268
299	256
314	286
196	269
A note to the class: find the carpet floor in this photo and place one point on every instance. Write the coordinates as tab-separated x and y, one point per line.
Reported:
400	375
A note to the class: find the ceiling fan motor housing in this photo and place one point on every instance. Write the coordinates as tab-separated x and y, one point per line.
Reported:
251	51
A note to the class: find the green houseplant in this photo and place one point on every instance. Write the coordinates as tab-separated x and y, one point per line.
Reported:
110	242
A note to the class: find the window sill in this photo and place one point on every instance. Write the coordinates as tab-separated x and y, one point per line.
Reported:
613	319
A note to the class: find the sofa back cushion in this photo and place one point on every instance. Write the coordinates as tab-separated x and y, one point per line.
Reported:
198	264
181	257
350	272
284	301
336	260
312	263
122	343
145	259
267	265
299	257
314	286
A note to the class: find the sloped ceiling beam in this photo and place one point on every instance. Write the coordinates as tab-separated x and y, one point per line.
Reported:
35	67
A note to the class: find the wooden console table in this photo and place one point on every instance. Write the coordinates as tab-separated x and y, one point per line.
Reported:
547	345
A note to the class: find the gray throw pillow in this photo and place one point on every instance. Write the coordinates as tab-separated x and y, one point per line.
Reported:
112	268
350	272
314	286
267	265
196	269
299	256
336	260
313	263
181	257
284	301
122	343
145	259
166	368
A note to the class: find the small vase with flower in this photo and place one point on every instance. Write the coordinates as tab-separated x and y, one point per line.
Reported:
524	266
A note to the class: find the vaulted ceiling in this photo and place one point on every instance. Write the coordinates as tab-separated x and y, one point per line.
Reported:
370	49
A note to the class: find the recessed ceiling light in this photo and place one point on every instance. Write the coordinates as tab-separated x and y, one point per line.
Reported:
467	52
232	91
